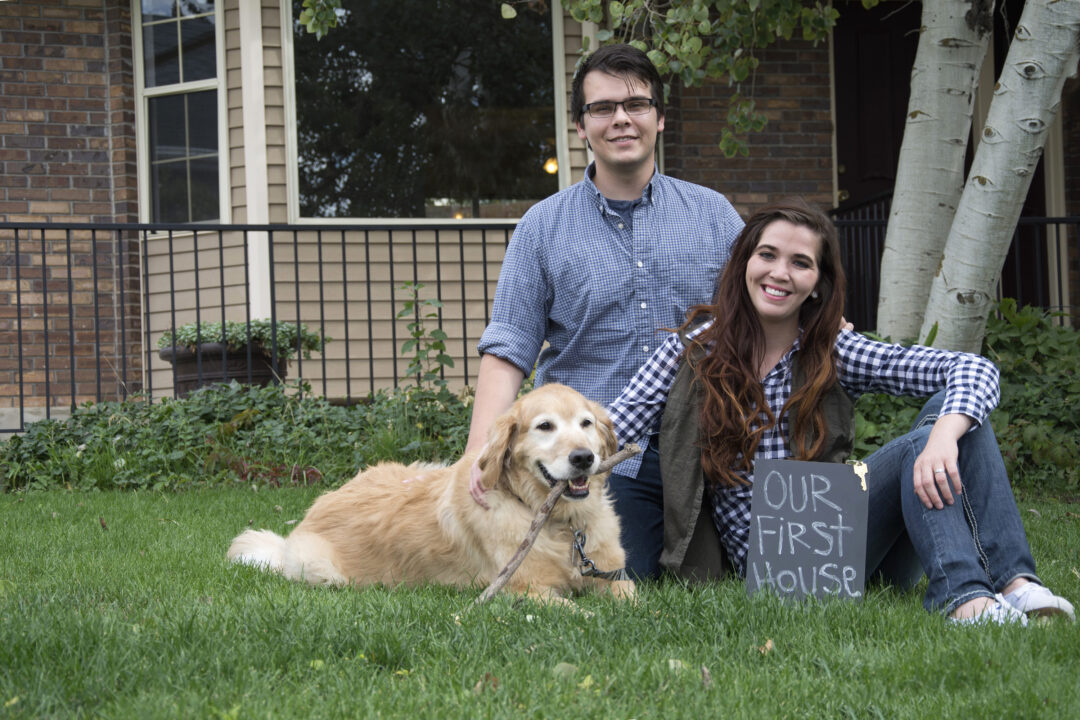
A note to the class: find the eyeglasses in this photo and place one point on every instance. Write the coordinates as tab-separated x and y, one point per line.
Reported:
632	106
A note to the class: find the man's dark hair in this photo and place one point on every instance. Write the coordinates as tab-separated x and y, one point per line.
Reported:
624	61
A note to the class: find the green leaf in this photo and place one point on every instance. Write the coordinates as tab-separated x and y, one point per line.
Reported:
930	336
507	11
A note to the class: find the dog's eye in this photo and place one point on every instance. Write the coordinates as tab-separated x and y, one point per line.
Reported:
545	426
586	423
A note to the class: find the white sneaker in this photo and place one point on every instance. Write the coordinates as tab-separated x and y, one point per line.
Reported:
1000	613
1037	600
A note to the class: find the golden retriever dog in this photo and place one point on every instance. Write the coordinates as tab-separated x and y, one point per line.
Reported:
395	524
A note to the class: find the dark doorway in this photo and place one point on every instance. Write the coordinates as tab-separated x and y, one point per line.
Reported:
874	51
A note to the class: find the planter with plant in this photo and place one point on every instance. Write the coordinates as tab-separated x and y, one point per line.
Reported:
254	353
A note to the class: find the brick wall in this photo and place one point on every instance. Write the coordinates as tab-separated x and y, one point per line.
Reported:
67	151
67	111
792	156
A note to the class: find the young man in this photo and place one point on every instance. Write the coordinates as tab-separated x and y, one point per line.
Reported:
598	269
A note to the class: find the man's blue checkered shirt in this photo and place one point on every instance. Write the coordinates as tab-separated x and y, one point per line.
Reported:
600	291
863	366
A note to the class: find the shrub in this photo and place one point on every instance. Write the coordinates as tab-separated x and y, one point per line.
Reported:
1038	419
260	333
230	434
277	435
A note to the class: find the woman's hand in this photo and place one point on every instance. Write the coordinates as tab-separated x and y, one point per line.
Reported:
937	464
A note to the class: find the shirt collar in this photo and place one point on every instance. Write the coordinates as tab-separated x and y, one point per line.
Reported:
651	191
783	365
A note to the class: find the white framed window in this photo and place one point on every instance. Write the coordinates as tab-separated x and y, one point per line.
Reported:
448	112
179	61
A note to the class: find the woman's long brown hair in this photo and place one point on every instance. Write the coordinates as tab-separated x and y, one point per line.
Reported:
726	356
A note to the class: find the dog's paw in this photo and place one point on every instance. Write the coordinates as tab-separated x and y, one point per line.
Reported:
624	590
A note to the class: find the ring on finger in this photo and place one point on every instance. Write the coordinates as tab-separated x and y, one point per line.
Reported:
939	470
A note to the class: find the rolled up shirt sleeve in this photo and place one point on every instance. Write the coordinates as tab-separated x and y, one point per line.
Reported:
971	382
522	303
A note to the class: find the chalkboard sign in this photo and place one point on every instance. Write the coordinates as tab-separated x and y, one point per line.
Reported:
808	529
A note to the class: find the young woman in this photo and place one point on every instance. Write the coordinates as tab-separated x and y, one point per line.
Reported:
764	373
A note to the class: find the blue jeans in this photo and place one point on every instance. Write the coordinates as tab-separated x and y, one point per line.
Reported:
972	548
639	503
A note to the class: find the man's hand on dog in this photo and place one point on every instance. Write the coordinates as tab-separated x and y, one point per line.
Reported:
475	488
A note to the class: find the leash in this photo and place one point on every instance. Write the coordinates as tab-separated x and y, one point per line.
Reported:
588	567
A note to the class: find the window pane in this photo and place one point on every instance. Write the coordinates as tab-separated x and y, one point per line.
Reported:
200	50
160	57
204	189
202	122
158	9
184	157
169	187
420	109
167	138
196	7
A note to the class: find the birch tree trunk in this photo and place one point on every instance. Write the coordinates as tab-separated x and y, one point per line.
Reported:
1044	51
930	174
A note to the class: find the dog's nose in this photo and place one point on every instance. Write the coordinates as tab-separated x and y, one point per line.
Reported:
582	459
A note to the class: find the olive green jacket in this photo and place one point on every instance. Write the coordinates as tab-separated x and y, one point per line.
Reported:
692	546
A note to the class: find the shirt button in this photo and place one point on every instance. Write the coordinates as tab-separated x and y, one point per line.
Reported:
640	264
644	305
621	226
645	348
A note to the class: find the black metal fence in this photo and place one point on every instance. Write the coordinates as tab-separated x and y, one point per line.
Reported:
80	305
1042	267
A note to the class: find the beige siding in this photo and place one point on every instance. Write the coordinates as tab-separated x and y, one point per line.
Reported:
274	84
375	336
233	60
173	297
345	302
578	155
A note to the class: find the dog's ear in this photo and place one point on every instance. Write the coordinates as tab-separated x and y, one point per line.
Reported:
496	455
607	430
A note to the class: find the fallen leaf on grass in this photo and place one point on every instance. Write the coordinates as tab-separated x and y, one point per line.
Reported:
1077	574
12	701
488	680
564	670
767	647
675	665
102	521
706	677
1034	512
586	683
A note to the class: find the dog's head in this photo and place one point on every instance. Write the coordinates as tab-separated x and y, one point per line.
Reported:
550	434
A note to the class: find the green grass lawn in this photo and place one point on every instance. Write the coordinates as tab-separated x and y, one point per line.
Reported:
122	605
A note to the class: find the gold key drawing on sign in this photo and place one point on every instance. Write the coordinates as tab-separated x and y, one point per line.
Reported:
861	470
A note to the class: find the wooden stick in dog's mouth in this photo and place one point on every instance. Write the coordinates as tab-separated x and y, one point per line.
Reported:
629	450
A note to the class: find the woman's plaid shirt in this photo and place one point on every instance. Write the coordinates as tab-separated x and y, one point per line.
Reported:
863	366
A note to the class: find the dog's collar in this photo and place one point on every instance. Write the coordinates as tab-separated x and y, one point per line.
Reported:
588	567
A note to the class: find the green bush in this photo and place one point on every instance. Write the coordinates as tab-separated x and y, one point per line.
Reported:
276	435
260	333
233	434
1038	419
